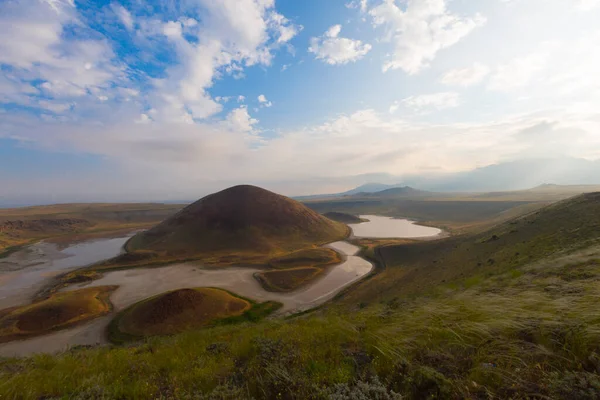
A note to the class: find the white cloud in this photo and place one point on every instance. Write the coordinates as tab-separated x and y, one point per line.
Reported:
212	40
241	98
334	50
172	30
520	71
143	119
124	15
33	44
233	34
150	159
284	27
239	120
262	99
188	22
54	106
420	31
466	76
587	5
360	4
436	101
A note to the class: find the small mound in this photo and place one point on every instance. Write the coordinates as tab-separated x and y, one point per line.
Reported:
45	317
288	279
179	310
242	219
318	257
60	311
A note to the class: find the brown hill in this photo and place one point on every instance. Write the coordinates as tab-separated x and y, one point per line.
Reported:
179	310
244	219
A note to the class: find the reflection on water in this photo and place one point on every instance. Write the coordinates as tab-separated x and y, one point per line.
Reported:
24	272
387	227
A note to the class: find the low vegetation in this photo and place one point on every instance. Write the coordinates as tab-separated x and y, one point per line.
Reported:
182	310
60	311
288	279
314	257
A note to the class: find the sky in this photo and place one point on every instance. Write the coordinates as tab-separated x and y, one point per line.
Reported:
170	100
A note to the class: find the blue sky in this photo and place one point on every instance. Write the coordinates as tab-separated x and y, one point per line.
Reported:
137	100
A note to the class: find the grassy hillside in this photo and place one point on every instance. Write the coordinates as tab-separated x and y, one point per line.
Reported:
435	324
242	219
417	267
19	226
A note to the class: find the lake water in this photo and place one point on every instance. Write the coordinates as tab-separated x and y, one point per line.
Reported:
24	272
388	227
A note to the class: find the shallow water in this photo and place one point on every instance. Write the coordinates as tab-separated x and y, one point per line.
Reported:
388	227
27	270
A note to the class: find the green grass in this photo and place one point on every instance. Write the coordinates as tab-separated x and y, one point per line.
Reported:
504	338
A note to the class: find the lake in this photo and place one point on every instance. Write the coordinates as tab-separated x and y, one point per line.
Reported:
388	227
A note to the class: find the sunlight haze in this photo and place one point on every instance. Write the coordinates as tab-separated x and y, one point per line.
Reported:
130	101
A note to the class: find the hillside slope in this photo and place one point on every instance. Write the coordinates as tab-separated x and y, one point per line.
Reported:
560	228
242	218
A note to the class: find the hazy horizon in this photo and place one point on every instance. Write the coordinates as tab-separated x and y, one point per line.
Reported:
129	101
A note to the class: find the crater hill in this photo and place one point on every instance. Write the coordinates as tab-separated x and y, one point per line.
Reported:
240	220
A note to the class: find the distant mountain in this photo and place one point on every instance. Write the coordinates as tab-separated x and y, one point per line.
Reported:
514	175
369	188
507	176
403	191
